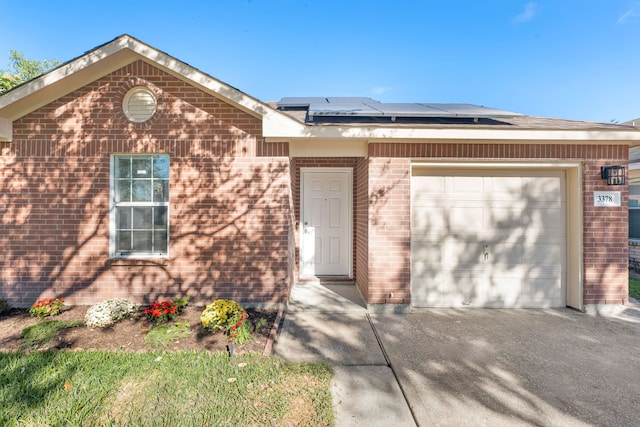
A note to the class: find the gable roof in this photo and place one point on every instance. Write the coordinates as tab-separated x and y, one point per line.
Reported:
292	125
107	58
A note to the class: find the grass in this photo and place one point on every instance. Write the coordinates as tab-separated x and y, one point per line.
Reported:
43	333
101	388
164	335
634	288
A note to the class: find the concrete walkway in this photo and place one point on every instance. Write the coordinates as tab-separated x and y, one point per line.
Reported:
329	323
448	367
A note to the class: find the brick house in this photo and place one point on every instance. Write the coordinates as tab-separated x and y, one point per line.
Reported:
634	205
127	173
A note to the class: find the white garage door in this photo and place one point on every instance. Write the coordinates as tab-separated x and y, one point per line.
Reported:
487	239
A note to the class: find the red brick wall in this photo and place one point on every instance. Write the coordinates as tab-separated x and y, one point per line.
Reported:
389	259
361	225
605	229
229	196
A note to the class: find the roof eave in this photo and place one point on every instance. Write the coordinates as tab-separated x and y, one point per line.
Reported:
107	58
391	134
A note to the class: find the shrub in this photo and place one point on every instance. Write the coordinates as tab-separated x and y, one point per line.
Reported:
163	311
46	307
230	317
109	312
219	313
4	305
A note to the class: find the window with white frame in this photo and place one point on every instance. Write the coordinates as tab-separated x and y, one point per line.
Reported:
140	205
634	210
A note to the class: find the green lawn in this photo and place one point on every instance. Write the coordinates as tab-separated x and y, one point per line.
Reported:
634	288
100	388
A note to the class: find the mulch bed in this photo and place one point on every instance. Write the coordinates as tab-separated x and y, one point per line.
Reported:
129	334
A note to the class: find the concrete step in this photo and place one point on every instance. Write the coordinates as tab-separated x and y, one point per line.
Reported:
326	297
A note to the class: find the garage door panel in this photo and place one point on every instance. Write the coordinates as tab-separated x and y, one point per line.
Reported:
505	187
439	290
508	254
547	221
467	185
488	241
542	293
466	219
501	292
544	254
427	293
427	222
428	185
459	254
504	217
427	256
542	188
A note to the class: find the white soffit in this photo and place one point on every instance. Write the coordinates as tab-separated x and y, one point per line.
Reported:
463	135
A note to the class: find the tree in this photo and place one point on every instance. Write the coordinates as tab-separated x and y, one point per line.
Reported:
22	69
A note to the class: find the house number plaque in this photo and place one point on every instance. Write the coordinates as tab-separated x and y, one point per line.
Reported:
606	198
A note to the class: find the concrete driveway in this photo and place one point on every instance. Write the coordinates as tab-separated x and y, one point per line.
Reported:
515	367
469	367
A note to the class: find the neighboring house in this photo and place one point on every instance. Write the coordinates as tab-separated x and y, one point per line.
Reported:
634	204
127	173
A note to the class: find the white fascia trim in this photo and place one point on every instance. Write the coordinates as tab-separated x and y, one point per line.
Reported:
6	130
60	73
153	56
377	134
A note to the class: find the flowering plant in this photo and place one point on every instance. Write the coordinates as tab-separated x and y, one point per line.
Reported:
230	317
109	312
163	311
46	307
239	329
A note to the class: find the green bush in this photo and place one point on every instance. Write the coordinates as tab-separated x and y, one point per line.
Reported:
4	305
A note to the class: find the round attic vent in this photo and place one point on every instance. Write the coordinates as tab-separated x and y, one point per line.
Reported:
139	104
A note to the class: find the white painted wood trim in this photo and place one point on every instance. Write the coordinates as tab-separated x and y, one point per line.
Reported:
350	196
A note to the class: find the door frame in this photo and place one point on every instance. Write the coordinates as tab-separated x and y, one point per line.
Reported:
349	206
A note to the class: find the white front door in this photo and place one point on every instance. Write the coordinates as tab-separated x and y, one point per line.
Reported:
325	226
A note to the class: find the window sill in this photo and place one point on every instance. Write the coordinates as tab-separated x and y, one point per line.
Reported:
136	262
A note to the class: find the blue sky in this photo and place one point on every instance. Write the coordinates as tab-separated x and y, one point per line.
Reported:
572	59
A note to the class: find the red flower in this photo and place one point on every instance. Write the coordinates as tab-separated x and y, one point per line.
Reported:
162	311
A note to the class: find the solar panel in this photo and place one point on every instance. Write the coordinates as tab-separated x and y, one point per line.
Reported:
362	107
